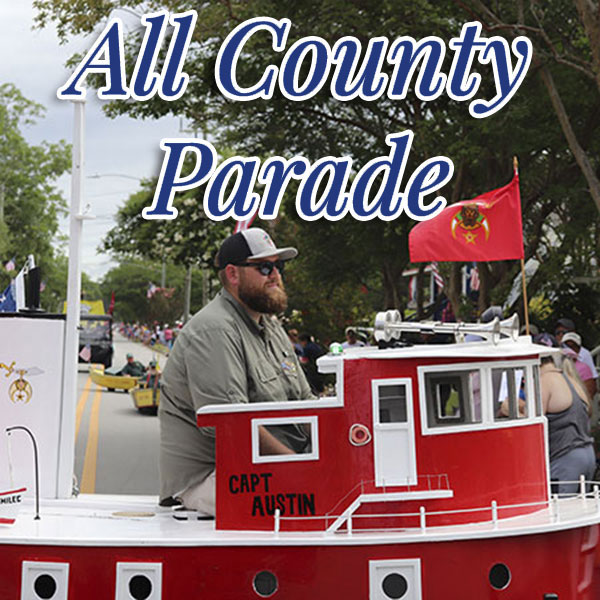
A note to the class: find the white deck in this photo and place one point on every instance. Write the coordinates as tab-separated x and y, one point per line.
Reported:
100	521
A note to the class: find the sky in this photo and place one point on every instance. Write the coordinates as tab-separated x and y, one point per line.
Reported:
119	151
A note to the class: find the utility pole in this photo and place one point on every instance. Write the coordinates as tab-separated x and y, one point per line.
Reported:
187	297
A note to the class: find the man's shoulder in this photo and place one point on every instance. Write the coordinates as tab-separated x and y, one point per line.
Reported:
216	316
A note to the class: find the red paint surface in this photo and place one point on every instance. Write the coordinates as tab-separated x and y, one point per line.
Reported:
539	564
507	464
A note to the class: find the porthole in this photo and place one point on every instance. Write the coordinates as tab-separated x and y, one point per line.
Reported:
394	586
45	586
265	584
140	587
499	576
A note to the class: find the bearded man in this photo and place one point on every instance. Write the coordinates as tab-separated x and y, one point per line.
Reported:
233	350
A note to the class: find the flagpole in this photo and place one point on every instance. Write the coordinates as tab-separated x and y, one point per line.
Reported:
524	281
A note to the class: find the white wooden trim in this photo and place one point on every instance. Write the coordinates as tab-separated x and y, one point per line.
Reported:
326	364
125	570
487	418
215	409
375	565
313	455
32	569
410	427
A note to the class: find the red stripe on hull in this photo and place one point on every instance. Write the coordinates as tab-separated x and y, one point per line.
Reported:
19	491
561	563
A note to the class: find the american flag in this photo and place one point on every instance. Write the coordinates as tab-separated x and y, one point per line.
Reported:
412	288
437	277
10	265
474	281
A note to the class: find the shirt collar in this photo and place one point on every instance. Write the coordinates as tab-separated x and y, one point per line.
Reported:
254	326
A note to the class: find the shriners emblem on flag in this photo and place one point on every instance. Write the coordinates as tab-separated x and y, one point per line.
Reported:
469	220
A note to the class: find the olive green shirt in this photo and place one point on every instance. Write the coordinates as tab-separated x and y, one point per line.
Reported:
221	356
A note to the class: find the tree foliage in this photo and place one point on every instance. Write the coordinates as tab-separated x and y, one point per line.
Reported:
30	200
559	215
130	281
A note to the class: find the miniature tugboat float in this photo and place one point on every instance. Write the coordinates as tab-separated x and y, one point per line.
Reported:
413	486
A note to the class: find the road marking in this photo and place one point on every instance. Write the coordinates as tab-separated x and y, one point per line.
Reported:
88	477
81	405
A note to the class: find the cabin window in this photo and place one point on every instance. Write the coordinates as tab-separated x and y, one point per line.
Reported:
392	404
453	397
509	394
285	439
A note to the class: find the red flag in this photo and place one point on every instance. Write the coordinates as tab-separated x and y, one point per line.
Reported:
111	306
487	227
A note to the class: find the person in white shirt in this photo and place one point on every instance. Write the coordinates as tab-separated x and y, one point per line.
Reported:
566	325
352	340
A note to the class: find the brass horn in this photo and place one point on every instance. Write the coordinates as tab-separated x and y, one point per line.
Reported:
389	325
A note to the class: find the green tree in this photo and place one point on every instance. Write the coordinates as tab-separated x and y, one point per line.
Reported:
557	211
30	203
130	280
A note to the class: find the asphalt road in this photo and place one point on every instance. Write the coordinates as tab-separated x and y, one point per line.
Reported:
116	447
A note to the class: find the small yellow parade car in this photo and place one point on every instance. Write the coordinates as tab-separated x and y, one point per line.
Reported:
146	400
111	382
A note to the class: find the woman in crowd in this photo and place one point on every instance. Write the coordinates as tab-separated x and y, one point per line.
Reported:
567	407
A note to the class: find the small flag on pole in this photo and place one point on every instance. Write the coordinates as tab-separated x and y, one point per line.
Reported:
10	265
86	353
243	225
474	280
111	306
7	300
437	276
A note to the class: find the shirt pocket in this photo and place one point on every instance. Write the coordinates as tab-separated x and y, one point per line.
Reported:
267	374
268	385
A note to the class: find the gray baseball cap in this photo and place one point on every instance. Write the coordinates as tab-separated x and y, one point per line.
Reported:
250	244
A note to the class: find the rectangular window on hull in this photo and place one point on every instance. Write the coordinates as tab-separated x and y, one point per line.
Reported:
453	398
285	439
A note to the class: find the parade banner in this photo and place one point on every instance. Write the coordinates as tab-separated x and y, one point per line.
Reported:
488	227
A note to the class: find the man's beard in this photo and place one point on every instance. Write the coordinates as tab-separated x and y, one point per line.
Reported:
268	301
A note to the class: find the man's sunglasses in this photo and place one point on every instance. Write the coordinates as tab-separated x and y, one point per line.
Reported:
265	267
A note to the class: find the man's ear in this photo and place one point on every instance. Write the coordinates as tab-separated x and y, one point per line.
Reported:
232	274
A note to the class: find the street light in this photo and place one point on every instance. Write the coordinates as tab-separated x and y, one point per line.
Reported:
99	175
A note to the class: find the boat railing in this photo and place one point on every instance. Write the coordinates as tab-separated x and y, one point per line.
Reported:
588	500
430	483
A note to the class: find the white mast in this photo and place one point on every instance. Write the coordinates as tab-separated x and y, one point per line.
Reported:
69	384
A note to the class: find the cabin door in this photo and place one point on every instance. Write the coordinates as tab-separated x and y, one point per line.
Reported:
393	432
